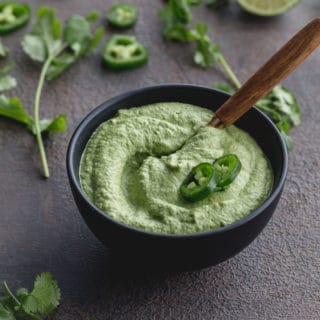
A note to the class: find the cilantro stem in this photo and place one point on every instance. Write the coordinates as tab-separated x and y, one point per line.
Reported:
9	293
229	72
42	151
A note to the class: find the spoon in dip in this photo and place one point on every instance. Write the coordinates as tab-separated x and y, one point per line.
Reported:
280	65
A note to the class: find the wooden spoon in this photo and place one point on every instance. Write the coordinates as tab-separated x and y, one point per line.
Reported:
281	64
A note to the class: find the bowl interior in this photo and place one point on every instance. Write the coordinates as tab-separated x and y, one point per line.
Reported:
254	122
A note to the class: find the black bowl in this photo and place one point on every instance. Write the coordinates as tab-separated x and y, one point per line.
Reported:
177	252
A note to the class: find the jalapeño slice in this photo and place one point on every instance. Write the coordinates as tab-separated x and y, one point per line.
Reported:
13	16
122	15
124	52
200	182
227	168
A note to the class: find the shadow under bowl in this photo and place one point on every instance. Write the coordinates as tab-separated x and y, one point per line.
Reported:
177	252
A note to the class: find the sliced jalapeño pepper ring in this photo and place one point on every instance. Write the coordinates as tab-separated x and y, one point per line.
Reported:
124	52
13	16
122	15
227	167
200	182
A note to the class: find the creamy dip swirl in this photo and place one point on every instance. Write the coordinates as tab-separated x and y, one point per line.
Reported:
134	164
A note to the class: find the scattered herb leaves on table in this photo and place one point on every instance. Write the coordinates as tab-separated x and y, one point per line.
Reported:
280	104
42	301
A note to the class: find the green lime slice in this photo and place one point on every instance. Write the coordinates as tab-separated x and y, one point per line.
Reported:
267	7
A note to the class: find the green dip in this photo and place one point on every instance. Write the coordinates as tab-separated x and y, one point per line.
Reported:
134	164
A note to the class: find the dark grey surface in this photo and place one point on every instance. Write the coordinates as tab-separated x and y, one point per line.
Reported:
276	277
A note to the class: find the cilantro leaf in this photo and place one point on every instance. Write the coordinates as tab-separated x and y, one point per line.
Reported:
21	293
6	313
176	15
45	38
93	16
216	4
29	303
286	103
57	125
60	64
77	30
280	105
34	47
95	40
47	293
6	81
12	108
78	41
48	28
42	300
207	53
3	50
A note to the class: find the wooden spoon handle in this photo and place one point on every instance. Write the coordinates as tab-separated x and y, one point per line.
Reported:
274	71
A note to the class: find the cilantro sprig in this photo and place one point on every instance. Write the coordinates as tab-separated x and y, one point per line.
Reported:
42	301
56	49
280	104
13	108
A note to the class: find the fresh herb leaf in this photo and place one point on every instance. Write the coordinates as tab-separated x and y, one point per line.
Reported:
181	10
95	40
48	29
3	50
21	293
217	4
34	47
6	81
176	15
280	105
47	293
285	102
12	108
93	16
6	313
77	30
60	64
29	304
207	53
57	125
78	41
41	301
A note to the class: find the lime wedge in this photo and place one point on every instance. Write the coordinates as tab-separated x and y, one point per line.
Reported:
267	7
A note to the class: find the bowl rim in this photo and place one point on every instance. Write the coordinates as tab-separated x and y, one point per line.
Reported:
106	104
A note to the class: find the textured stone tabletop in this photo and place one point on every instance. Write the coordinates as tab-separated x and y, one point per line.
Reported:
276	277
